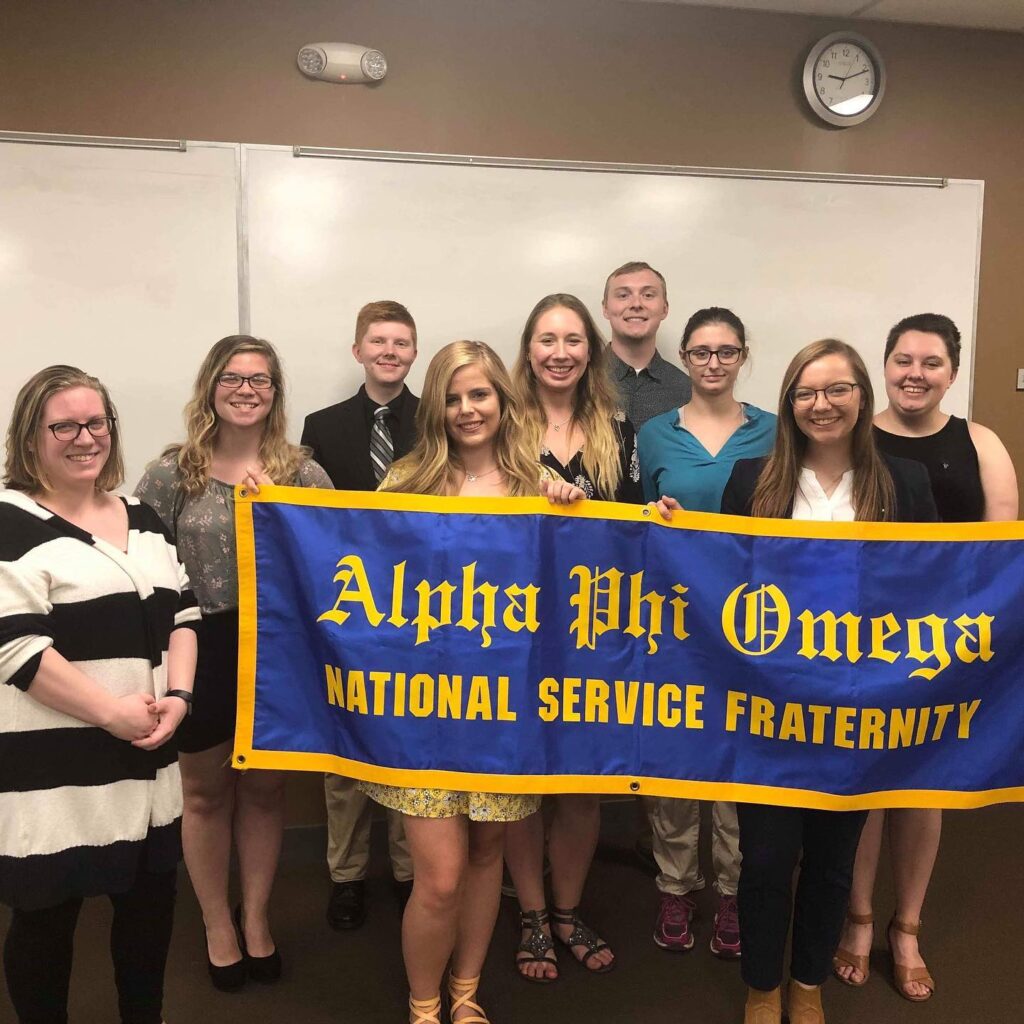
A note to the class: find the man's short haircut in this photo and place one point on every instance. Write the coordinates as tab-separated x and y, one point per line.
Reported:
383	311
634	267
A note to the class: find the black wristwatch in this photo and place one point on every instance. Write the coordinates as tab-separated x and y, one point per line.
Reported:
185	696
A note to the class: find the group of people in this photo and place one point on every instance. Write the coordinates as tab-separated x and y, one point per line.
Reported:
118	642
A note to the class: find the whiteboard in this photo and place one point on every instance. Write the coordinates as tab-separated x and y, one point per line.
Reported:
470	249
122	262
131	262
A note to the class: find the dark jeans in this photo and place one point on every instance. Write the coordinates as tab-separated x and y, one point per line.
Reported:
771	840
37	953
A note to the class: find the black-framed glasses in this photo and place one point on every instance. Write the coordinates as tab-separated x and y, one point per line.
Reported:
233	381
68	430
700	356
835	394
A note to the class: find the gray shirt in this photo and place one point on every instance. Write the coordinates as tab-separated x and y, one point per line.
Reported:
204	527
658	387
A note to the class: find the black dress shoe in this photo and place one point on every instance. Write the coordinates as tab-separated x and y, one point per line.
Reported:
347	906
403	890
264	969
229	978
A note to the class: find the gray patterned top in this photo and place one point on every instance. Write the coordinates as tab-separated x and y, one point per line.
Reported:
204	527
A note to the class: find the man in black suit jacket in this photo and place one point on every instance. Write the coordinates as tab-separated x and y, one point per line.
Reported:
340	437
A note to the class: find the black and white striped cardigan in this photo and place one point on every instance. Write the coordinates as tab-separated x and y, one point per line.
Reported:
81	811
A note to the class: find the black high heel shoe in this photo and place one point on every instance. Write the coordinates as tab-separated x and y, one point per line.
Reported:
230	977
264	969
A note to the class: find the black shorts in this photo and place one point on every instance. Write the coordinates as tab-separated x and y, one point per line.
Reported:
215	693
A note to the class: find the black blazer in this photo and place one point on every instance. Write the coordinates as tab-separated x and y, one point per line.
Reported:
914	501
340	438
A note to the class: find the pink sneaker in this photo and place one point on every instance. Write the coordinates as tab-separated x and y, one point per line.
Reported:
672	929
725	942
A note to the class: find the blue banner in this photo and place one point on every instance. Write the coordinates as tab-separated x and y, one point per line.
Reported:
506	646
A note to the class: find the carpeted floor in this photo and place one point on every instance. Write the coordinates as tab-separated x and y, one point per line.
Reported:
970	938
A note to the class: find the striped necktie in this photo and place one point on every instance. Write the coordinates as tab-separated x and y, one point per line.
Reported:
382	448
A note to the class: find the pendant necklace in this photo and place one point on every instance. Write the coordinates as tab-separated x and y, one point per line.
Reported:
473	477
558	426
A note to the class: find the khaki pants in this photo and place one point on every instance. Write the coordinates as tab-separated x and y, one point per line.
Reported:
675	825
348	833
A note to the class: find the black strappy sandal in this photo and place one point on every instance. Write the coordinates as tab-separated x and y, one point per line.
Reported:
536	945
582	935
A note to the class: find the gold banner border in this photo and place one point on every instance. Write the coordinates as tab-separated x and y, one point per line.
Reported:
245	756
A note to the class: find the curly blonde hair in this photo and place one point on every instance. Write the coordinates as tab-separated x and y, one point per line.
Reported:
281	459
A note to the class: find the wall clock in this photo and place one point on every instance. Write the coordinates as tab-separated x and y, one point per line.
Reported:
844	79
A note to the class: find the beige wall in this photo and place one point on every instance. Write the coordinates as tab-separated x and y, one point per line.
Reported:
570	79
562	79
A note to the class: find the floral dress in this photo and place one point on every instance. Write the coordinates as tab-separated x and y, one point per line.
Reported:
629	489
447	803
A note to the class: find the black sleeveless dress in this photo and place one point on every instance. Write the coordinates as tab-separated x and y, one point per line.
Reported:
952	463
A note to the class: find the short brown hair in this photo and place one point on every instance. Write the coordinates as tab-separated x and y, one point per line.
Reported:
634	267
23	471
927	323
383	311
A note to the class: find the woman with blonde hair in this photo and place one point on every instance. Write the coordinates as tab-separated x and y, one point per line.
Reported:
235	434
824	466
573	424
97	655
471	444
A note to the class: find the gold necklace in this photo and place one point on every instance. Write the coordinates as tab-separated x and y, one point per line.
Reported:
473	477
558	426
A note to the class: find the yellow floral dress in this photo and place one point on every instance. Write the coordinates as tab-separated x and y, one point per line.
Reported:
447	803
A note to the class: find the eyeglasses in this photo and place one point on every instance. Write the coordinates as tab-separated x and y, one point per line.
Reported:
835	394
68	430
233	381
727	355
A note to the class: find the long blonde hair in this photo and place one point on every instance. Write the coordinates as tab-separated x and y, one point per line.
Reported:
281	460
430	467
595	407
873	492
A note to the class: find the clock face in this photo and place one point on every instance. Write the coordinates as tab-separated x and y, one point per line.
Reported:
845	78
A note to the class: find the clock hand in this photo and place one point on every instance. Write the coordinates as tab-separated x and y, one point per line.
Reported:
864	72
837	78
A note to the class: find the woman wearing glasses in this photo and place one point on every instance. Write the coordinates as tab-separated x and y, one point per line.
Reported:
572	422
972	479
824	466
235	434
686	456
97	654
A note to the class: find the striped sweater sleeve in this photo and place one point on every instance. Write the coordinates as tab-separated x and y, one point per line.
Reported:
26	626
186	612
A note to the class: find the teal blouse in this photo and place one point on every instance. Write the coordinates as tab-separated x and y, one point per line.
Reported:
674	463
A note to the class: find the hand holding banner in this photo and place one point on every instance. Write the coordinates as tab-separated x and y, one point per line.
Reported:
504	646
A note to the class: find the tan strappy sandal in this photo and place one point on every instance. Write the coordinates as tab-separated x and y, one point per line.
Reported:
859	962
902	974
461	992
425	1011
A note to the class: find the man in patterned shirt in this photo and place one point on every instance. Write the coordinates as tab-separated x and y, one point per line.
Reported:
635	304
